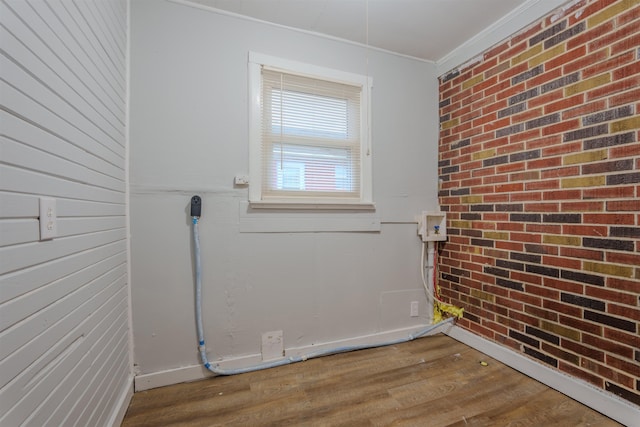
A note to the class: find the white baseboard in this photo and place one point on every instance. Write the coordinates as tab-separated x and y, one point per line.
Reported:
122	405
197	372
602	401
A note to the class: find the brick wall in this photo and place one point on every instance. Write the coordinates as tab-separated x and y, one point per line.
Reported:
540	167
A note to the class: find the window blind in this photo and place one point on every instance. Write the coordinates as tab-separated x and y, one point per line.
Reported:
310	137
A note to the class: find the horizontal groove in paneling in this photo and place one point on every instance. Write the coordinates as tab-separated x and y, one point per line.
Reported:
53	73
26	181
96	49
91	326
14	258
32	88
21	308
19	155
29	134
107	379
16	206
21	333
23	281
17	231
81	62
20	104
110	360
85	386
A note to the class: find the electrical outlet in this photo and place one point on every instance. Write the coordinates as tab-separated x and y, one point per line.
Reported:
415	309
48	218
272	345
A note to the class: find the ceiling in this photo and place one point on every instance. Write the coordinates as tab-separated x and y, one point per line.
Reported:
425	29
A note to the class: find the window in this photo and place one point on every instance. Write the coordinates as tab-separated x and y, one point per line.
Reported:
309	136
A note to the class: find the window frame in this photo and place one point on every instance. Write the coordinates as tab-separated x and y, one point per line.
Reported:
256	200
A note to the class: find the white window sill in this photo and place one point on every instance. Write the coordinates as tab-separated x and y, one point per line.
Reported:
302	218
314	205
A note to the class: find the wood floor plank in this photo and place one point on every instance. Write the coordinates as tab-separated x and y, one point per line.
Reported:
433	381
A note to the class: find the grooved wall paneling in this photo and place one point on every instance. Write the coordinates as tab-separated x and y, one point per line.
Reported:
64	351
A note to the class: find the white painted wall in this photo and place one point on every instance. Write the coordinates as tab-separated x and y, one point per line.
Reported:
189	135
64	324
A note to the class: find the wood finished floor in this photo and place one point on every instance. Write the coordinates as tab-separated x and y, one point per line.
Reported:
432	381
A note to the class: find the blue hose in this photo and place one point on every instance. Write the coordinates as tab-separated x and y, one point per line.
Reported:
219	371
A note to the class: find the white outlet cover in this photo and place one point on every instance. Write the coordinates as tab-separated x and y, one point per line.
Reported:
272	345
48	218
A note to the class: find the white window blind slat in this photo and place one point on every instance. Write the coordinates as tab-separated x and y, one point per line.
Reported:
310	137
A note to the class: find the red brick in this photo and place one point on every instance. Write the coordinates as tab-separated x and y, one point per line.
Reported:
494	179
612	296
527	33
608	193
563	126
495	198
512	90
595	255
527	196
606	345
562	195
630	43
541	313
591	353
542	207
497	88
528	114
494	106
512	51
623	365
623	205
549	184
585	109
511	246
563	285
625	150
568	147
561	307
628	16
581	325
543	228
544	78
623	258
484	65
617	86
511	147
612	219
496	50
487	118
545	141
565	58
526	237
614	36
561	172
594	7
504	122
525	136
584	230
612	63
582	206
608	373
624	311
622	337
548	162
510	167
564	103
511	226
622	284
585	61
546	98
513	71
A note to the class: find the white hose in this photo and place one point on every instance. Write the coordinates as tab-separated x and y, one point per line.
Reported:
217	370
